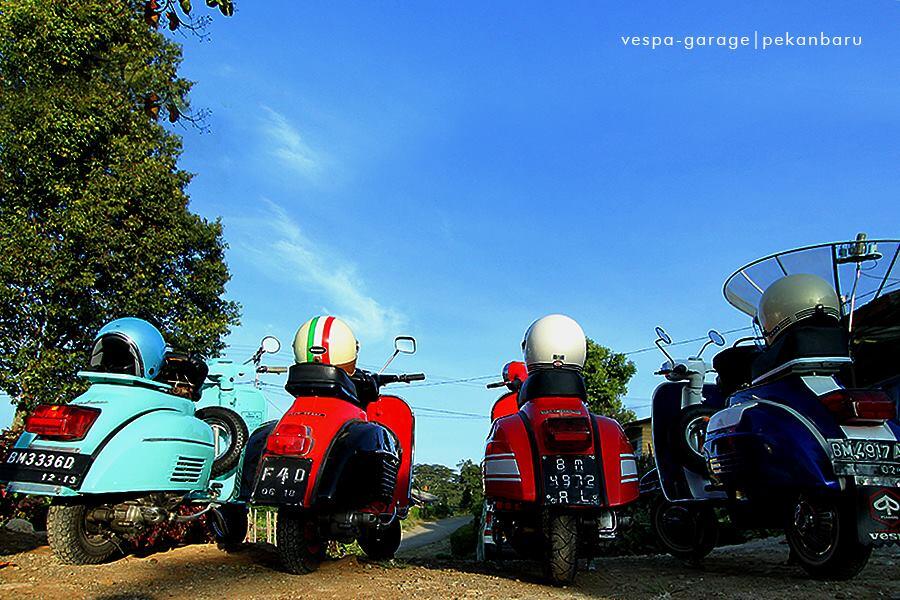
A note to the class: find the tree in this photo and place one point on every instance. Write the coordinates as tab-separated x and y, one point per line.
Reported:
471	488
606	375
94	217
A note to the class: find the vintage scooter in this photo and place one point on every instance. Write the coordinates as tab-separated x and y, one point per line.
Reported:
554	474
338	463
134	451
807	438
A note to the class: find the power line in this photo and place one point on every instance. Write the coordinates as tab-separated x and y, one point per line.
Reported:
450	412
690	341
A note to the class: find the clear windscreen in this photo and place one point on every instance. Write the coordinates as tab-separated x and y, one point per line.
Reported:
870	267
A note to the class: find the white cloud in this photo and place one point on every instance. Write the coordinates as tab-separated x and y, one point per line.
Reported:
287	145
329	277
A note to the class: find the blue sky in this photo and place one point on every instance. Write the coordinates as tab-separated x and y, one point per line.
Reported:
455	170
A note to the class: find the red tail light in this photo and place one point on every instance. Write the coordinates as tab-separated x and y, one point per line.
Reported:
568	433
860	405
61	422
290	437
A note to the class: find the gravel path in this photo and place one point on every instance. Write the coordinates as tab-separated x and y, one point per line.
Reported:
754	570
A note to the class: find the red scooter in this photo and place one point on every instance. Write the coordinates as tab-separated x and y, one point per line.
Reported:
337	465
553	472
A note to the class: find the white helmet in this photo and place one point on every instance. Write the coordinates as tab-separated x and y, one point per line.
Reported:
792	299
554	341
328	341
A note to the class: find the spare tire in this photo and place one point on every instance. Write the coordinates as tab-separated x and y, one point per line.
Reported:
230	433
689	436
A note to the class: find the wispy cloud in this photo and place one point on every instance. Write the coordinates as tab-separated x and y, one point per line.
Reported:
288	146
330	278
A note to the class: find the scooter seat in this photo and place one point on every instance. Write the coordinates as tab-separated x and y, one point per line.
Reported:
803	342
311	379
734	367
545	383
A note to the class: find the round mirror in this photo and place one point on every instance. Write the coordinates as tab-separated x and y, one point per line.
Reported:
405	344
716	338
270	344
663	336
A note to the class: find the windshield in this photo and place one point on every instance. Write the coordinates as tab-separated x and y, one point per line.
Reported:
869	265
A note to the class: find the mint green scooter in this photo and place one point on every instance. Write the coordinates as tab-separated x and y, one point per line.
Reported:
154	432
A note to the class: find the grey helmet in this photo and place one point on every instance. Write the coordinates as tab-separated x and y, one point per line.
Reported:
792	299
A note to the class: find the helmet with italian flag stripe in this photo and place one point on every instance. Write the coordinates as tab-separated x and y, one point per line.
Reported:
326	340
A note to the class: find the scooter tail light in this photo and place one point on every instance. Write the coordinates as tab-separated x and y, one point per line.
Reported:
291	438
61	422
568	433
850	406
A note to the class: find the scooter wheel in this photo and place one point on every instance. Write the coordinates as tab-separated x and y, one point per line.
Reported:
823	538
688	532
231	437
73	540
300	543
561	547
380	544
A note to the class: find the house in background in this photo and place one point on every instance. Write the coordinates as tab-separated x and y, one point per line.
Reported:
639	435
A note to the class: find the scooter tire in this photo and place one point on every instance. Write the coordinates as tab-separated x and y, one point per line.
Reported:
216	416
847	555
231	532
706	529
380	544
70	540
300	544
561	547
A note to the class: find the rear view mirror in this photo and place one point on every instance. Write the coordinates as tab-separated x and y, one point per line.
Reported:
716	338
663	336
270	344
405	344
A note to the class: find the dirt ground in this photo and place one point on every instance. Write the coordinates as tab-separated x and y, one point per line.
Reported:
754	570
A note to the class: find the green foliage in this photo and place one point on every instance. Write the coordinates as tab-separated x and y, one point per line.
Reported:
458	492
94	218
463	541
606	375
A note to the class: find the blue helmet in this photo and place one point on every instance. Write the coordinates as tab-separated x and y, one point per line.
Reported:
129	346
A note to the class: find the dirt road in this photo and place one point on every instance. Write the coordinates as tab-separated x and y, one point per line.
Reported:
429	533
755	570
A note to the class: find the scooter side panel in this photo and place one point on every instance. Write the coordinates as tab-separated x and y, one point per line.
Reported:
394	413
769	450
507	404
508	469
158	451
619	465
120	406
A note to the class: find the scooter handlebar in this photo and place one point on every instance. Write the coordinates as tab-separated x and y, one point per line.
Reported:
401	378
496	384
274	370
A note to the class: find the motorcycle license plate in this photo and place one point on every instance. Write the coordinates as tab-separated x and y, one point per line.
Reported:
571	480
865	457
878	515
282	480
45	466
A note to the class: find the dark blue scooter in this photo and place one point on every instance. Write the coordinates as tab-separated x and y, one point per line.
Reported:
799	432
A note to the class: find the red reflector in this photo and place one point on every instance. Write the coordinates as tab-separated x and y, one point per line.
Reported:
569	433
860	405
61	422
290	437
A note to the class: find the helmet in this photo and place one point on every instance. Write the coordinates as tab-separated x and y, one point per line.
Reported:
128	346
514	373
554	341
328	341
792	299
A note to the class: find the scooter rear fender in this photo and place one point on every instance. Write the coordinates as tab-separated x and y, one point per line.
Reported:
509	465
